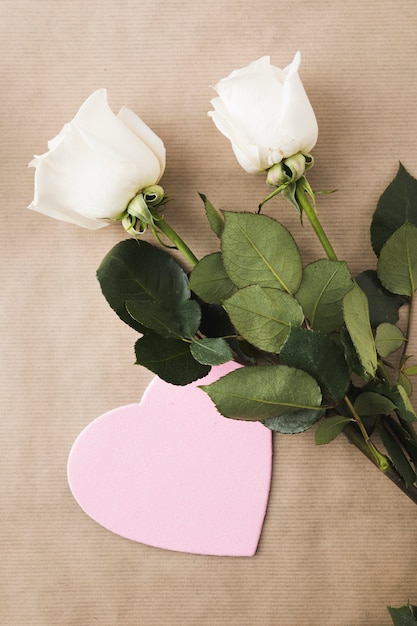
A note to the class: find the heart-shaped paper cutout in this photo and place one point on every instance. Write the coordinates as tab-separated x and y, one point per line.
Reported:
171	472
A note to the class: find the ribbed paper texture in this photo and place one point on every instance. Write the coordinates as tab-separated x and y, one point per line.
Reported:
339	540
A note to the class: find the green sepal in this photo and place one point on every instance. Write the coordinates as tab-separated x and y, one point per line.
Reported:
289	194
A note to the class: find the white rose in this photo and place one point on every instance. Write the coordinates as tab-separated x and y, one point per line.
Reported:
265	113
96	165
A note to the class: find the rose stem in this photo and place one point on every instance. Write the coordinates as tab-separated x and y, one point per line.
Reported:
169	232
380	460
356	439
305	205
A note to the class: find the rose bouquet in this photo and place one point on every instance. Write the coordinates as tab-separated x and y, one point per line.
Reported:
316	345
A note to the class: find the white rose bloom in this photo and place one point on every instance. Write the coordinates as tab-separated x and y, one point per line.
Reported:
265	113
96	165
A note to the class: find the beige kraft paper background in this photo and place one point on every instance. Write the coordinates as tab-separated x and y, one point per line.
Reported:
339	541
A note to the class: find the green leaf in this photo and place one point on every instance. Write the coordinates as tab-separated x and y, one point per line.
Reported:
405	382
373	403
383	305
183	322
397	263
134	270
264	391
411	370
295	422
404	406
388	338
264	316
215	322
330	428
258	250
407	441
351	356
215	219
211	351
170	359
320	357
398	395
209	280
402	616
396	454
323	287
396	206
356	315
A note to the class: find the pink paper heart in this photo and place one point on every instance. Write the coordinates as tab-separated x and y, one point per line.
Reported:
171	472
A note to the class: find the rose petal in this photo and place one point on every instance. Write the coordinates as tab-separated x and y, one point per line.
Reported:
145	134
78	185
106	133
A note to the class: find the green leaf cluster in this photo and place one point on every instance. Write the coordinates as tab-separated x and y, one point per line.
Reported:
383	402
319	321
149	291
394	239
318	345
283	316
